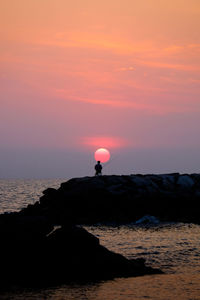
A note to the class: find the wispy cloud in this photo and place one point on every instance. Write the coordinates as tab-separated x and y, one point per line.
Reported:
109	142
173	66
62	94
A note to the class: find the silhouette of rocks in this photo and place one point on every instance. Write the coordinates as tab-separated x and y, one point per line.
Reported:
35	254
121	199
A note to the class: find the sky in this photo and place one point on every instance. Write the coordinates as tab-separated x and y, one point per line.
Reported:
79	75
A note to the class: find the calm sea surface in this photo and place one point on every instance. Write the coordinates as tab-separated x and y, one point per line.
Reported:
175	248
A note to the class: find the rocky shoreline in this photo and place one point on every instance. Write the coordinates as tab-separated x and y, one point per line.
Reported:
42	244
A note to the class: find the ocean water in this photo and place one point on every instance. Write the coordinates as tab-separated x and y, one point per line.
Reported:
173	247
17	193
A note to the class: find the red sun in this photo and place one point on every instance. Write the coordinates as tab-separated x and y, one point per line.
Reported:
102	154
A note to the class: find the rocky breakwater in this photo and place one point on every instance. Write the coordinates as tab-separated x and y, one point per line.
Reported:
121	199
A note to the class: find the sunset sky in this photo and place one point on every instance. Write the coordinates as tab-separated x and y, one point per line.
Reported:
79	75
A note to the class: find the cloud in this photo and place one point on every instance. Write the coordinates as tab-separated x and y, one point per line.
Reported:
109	142
121	103
127	69
165	65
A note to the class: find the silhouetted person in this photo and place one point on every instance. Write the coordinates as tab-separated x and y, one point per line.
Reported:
98	168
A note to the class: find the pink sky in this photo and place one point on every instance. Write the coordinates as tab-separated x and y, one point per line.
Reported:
119	74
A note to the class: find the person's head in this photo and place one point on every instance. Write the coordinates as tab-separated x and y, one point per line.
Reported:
98	162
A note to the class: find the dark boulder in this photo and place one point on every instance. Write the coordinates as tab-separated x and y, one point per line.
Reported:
38	257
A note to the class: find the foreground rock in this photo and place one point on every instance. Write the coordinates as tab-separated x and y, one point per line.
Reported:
33	254
120	199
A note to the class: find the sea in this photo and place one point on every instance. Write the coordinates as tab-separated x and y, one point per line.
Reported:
172	247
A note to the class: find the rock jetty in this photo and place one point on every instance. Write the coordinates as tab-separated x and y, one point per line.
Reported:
121	199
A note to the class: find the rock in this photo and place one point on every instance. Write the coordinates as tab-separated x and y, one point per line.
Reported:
66	254
81	254
185	182
50	192
116	189
148	220
168	182
139	181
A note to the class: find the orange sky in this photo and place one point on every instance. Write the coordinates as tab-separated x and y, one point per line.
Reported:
76	71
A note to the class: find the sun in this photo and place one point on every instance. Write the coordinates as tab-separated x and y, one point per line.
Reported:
102	154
